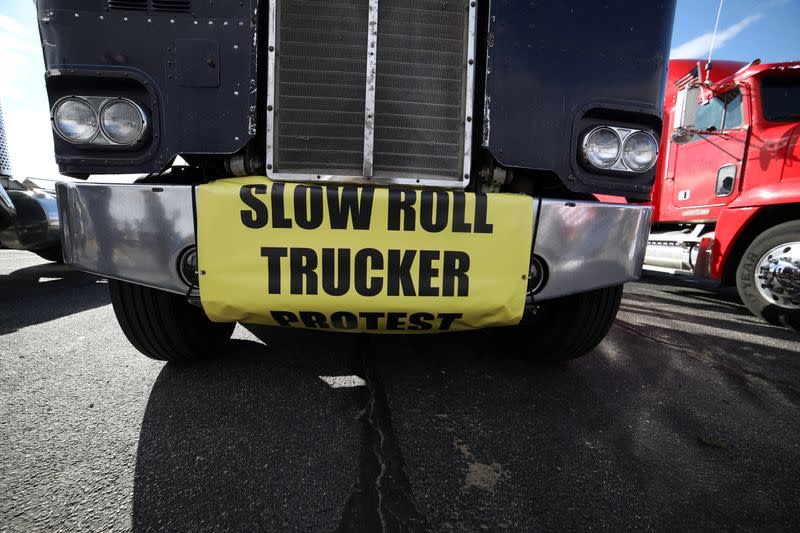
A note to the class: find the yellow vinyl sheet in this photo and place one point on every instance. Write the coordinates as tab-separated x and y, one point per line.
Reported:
353	258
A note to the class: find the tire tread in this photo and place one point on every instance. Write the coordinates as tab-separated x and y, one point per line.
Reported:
164	326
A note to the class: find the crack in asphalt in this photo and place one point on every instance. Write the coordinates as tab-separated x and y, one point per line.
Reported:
378	452
383	500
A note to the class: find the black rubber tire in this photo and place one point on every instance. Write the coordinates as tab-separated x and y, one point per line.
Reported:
568	327
746	281
165	326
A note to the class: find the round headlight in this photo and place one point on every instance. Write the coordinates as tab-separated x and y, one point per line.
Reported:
123	121
640	151
601	147
74	120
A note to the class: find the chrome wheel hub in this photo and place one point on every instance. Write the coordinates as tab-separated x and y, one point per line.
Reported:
778	275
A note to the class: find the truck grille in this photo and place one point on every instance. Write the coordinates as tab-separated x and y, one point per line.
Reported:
320	96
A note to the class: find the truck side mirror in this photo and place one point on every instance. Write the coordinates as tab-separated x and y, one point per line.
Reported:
685	115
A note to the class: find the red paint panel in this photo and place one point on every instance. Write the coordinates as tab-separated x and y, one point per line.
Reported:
729	226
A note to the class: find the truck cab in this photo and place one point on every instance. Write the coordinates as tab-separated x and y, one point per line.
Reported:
729	184
381	166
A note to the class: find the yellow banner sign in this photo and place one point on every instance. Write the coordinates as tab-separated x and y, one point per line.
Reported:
337	257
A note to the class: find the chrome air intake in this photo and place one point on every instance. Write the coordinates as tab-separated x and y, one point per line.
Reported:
373	91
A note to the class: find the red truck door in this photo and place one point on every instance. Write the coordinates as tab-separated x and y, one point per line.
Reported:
706	171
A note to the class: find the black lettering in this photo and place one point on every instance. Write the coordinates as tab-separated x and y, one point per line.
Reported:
398	273
308	208
279	219
426	215
447	320
349	207
371	319
459	216
273	256
335	285
400	200
302	264
427	272
393	321
257	216
283	318
455	265
344	320
419	322
375	284
480	215
313	319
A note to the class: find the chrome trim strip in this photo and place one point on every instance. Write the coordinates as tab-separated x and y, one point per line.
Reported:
271	84
369	97
472	10
589	245
133	233
398	179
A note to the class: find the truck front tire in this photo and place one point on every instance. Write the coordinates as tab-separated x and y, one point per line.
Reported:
568	327
765	294
165	326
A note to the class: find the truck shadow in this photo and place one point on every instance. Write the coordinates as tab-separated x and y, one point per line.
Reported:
706	289
40	293
252	441
681	426
680	433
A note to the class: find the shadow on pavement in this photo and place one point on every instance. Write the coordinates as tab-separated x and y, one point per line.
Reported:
44	292
657	426
706	289
252	441
634	436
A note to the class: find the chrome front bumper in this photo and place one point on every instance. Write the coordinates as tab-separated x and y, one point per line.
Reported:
137	233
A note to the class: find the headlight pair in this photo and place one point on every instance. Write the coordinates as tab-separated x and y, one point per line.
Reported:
99	120
625	149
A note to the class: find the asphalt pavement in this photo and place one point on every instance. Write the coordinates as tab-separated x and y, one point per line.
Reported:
687	417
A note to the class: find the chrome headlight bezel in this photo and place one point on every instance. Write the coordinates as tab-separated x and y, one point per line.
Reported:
101	138
585	144
137	108
53	113
619	165
625	145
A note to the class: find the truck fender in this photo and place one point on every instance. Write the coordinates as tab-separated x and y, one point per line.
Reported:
729	228
736	229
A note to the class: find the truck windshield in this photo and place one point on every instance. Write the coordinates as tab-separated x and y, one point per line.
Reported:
780	97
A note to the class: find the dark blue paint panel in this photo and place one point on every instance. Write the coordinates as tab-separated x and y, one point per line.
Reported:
549	61
198	69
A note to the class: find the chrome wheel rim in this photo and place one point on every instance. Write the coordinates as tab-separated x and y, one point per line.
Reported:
778	275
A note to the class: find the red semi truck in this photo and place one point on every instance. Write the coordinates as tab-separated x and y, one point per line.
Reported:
727	192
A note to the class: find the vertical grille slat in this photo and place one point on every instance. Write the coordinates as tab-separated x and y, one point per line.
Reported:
319	89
